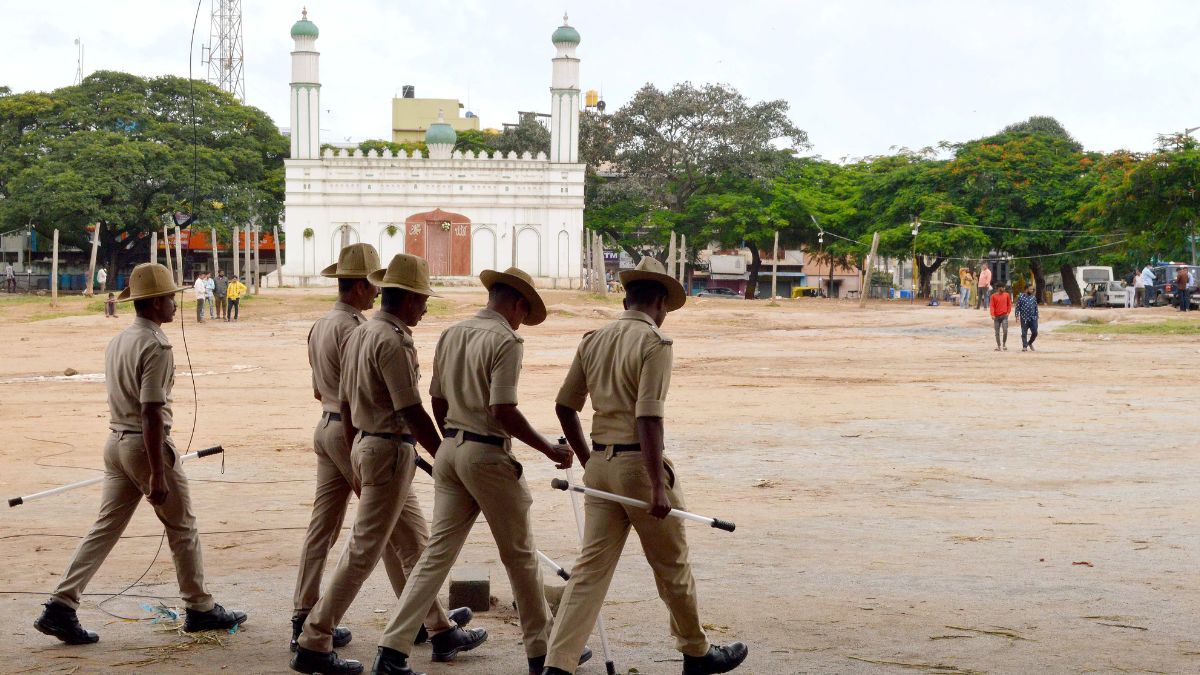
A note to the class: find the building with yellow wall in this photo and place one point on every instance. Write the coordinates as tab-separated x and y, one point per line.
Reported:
411	116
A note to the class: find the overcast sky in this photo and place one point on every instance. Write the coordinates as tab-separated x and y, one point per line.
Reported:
861	76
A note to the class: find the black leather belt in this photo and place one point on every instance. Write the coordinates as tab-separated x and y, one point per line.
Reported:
333	417
403	438
617	448
166	431
478	438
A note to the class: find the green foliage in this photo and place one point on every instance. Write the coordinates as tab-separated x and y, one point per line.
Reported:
528	135
121	150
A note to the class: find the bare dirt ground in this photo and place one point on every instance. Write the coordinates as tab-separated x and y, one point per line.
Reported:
907	499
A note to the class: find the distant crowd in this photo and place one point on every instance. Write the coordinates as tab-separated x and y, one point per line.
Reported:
222	296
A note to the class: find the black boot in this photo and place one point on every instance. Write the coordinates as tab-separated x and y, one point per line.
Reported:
391	662
323	663
61	622
717	660
461	616
447	644
536	663
217	618
341	634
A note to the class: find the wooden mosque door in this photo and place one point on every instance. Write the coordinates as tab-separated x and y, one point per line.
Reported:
443	239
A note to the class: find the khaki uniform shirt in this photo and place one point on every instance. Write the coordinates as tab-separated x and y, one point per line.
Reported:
476	365
326	341
626	367
139	367
380	374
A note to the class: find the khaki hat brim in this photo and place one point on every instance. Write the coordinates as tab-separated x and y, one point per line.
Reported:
126	297
376	278
537	307
332	273
676	296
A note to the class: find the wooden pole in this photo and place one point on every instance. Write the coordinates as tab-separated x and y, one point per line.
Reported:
865	288
54	272
212	232
682	258
601	279
775	268
237	235
179	253
671	257
167	249
92	265
278	259
153	247
257	256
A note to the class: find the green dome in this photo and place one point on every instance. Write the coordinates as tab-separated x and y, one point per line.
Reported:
565	35
439	133
304	27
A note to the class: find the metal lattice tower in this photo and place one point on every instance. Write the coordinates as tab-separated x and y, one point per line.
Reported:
225	51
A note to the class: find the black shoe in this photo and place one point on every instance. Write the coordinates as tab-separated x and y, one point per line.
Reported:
447	644
717	660
391	662
461	616
554	671
61	622
323	663
217	618
536	663
341	634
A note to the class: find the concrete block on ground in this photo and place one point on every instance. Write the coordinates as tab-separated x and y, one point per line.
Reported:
471	586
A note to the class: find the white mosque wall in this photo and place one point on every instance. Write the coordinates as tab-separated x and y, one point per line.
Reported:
523	211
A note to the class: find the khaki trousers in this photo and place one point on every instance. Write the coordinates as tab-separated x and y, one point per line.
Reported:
388	518
126	483
335	482
605	531
471	477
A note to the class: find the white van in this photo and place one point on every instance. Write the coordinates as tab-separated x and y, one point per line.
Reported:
1084	275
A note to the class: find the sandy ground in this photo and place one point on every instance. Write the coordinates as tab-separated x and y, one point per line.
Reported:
906	498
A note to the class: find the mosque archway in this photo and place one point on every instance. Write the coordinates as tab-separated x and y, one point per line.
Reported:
443	239
529	249
483	250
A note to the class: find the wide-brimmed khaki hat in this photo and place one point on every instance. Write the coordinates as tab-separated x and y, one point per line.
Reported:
521	282
355	261
407	272
650	269
149	280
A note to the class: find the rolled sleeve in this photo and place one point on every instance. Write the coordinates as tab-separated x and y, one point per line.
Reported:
654	382
399	368
506	369
158	365
574	391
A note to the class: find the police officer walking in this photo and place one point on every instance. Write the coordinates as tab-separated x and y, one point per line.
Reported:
335	478
140	459
474	392
382	420
626	369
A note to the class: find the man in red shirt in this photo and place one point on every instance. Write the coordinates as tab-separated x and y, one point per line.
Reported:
1001	306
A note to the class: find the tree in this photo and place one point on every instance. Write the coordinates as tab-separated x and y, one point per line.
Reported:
527	135
122	151
474	141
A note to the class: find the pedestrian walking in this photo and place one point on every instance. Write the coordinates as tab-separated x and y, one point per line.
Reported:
1131	289
382	412
1027	314
335	477
221	293
1148	285
200	291
140	460
10	278
474	391
235	292
965	280
210	286
625	367
110	307
102	279
1001	306
984	285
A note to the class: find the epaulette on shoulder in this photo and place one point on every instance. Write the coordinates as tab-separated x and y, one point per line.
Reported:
161	338
661	337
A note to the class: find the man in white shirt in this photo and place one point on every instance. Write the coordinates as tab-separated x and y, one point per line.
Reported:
102	278
1148	285
201	291
10	278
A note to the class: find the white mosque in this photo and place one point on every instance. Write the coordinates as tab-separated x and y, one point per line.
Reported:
463	213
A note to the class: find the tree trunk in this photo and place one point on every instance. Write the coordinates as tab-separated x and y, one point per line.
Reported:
925	275
1039	280
1070	285
755	266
